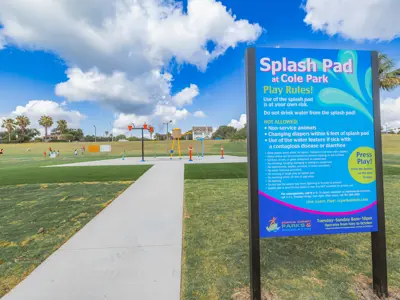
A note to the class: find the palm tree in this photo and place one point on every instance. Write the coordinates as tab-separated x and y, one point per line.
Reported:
9	125
46	122
62	126
22	122
106	133
389	76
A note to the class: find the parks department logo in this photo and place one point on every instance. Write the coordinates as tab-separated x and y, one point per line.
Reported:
273	225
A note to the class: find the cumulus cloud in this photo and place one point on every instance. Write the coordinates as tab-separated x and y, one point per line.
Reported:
355	19
34	109
186	96
119	51
161	114
239	124
139	95
390	112
199	114
125	35
2	40
166	113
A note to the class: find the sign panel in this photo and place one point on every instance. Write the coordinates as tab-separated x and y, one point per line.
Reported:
94	148
105	148
315	142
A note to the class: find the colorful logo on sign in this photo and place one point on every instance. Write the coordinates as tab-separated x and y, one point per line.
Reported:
273	225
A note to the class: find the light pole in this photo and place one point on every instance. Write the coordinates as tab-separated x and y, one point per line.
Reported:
95	134
167	123
112	132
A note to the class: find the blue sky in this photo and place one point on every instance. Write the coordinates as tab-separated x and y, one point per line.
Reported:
31	66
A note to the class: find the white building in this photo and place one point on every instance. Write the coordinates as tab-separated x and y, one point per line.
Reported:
202	132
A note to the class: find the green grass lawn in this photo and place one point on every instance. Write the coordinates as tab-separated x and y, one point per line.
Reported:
161	148
71	174
215	171
60	200
318	267
61	209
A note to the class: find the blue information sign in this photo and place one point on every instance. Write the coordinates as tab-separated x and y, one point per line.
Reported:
316	148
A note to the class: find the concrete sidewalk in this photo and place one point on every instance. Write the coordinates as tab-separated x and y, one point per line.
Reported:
130	251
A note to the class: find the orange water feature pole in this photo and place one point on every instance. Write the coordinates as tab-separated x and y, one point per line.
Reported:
222	152
190	153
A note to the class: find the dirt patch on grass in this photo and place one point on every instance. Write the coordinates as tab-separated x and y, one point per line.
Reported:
244	294
364	291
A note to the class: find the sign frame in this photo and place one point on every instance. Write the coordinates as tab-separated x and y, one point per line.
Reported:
378	238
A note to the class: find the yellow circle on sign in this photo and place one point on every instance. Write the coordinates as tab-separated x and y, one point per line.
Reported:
362	165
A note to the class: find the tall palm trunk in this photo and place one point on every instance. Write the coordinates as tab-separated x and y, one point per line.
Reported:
45	132
23	133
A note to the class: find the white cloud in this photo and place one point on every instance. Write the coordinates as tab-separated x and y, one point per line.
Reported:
166	113
139	96
122	121
126	35
161	114
2	40
119	51
239	124
186	96
390	112
199	114
355	19
34	109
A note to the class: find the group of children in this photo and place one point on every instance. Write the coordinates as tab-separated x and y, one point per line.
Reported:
52	152
82	151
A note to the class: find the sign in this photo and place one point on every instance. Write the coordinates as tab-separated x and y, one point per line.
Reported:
94	148
105	148
315	161
316	147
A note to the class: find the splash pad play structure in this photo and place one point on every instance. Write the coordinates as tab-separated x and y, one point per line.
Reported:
194	149
142	128
176	136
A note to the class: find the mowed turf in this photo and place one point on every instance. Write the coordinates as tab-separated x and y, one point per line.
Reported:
35	150
59	209
160	148
216	246
71	174
57	201
215	171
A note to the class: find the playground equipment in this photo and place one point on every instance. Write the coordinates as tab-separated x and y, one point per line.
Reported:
190	153
176	135
222	152
202	148
144	127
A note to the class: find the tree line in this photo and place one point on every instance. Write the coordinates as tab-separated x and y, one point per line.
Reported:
17	129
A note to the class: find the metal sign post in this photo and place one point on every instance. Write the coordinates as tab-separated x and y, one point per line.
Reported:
254	229
378	238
